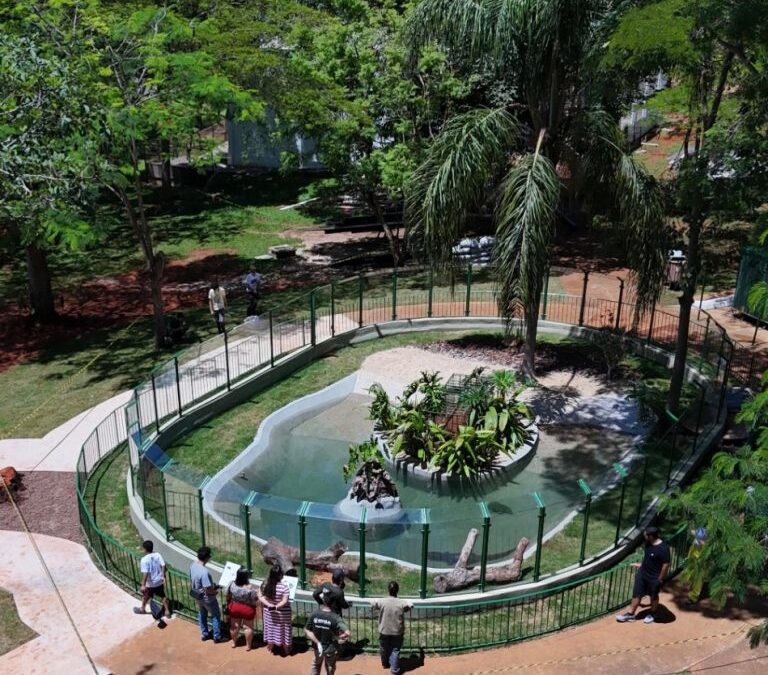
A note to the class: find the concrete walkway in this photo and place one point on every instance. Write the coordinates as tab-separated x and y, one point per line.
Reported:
101	610
695	641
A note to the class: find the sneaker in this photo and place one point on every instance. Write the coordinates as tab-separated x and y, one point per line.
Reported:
205	638
649	618
138	610
627	616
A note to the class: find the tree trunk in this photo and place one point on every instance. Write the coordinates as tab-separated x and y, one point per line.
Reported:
275	552
156	270
39	279
686	302
394	242
166	184
461	576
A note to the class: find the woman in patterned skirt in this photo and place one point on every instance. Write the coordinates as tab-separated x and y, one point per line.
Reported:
277	612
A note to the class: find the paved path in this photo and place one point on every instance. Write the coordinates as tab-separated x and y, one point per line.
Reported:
699	641
101	610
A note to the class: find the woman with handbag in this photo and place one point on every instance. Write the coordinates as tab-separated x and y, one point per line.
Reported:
242	598
275	598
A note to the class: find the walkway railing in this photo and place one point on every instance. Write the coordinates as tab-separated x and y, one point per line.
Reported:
173	495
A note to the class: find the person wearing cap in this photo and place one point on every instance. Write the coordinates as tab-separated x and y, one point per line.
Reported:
332	593
649	577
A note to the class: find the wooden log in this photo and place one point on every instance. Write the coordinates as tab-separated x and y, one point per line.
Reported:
461	576
276	552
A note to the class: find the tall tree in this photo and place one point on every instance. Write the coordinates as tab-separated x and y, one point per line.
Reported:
49	154
551	136
714	47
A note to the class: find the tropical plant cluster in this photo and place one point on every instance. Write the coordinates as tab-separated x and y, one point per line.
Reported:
460	433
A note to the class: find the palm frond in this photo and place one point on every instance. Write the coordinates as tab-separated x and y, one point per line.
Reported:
453	178
639	201
464	26
757	299
525	224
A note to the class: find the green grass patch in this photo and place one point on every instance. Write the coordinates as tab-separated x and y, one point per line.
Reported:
13	631
233	430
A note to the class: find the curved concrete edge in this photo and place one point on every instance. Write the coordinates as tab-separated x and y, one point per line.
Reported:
59	449
172	551
93	601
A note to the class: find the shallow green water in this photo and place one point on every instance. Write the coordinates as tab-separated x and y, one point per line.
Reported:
304	460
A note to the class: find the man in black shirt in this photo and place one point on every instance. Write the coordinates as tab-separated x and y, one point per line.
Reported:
324	629
649	576
332	593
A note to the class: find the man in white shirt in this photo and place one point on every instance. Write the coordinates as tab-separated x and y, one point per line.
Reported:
152	567
217	303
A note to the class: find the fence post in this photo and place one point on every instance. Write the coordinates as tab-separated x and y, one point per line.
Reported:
394	294
622	473
271	342
699	415
303	544
165	506
587	507
178	381
138	416
469	290
650	327
583	299
360	282
621	300
333	308
701	297
539	535
545	295
430	292
245	517
642	491
424	550
361	544
226	360
672	455
704	342
312	318
201	511
154	401
484	547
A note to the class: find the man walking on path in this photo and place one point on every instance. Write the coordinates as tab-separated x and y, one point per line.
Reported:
252	288
391	627
649	577
204	591
217	303
152	568
324	629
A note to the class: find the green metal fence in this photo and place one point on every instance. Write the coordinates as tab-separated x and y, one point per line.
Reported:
172	495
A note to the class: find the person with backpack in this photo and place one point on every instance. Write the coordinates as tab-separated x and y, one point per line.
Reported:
325	629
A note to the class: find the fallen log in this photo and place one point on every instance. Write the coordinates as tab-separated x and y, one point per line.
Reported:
462	576
276	552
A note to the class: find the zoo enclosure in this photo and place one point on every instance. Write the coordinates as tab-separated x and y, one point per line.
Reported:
172	495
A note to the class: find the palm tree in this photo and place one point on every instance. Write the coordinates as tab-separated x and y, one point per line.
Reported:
517	155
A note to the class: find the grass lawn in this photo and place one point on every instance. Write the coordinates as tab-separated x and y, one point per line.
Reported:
13	632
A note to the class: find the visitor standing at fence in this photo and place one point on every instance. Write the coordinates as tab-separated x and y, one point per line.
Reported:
204	591
332	593
217	303
252	290
649	577
275	598
324	629
391	627
242	599
152	567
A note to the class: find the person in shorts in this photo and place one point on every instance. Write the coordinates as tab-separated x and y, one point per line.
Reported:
152	567
649	577
324	629
217	304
